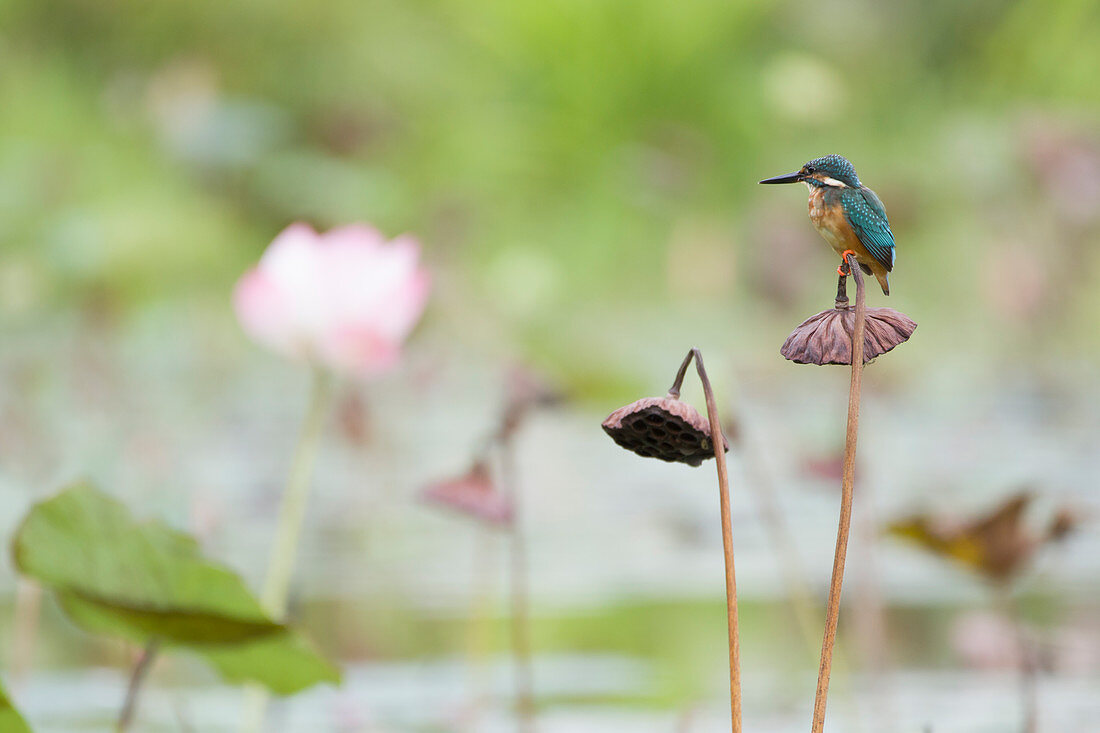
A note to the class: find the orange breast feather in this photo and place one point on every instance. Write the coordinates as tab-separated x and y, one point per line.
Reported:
833	225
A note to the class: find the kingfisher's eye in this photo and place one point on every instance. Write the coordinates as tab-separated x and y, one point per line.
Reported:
810	169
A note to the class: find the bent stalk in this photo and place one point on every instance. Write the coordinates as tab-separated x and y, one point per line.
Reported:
718	442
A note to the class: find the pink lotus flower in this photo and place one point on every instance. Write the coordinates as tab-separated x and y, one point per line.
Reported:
345	299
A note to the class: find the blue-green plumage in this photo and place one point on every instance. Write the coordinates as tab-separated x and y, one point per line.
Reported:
847	214
867	216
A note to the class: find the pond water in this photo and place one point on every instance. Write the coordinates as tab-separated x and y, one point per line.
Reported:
624	553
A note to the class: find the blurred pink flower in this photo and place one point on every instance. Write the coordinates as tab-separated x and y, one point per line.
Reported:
345	299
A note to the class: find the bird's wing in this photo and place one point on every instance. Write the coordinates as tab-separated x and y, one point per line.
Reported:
867	216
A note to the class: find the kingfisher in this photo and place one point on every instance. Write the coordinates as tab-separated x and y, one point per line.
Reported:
848	215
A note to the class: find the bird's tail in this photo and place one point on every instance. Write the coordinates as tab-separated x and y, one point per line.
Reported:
883	278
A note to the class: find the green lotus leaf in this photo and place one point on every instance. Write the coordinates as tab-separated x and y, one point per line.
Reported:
114	575
284	663
10	719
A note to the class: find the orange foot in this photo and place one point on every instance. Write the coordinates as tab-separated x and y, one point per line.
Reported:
843	269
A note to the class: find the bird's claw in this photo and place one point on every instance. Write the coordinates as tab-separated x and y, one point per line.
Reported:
843	268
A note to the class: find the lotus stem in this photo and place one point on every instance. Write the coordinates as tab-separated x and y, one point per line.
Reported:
28	609
718	442
137	676
520	618
478	637
678	382
293	505
841	292
1029	693
292	510
832	613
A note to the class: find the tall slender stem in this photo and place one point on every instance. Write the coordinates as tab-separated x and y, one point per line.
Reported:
1029	693
832	613
719	444
137	676
292	510
521	623
28	608
478	630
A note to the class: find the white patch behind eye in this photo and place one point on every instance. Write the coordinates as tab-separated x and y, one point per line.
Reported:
833	182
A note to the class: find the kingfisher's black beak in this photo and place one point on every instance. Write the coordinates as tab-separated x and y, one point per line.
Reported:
789	178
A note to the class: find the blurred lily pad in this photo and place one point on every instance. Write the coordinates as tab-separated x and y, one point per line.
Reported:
10	719
144	580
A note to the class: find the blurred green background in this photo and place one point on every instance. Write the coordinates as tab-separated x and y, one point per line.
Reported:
552	156
582	175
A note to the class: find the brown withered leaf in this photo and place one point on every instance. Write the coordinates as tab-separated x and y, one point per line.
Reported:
664	428
826	338
997	545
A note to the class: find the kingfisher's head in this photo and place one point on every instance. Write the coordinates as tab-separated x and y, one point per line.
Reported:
828	170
